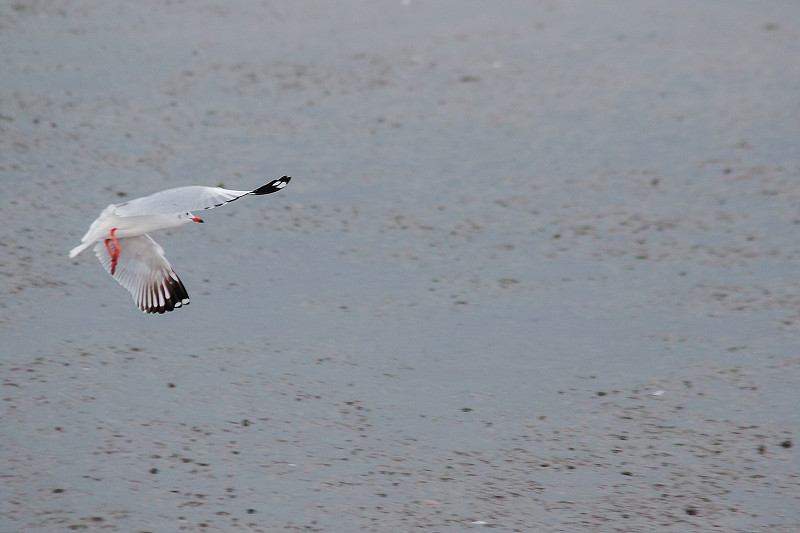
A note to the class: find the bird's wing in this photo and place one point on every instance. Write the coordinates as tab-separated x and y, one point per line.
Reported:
143	269
191	198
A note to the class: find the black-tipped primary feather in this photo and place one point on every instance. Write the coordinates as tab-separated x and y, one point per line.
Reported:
272	186
190	198
143	269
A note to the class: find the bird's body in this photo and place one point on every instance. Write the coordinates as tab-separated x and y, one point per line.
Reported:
132	226
135	260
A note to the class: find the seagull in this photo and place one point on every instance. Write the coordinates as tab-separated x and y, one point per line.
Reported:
134	259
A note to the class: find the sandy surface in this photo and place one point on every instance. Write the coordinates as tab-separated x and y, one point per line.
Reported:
536	270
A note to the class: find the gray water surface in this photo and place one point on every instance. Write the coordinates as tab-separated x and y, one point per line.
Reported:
536	269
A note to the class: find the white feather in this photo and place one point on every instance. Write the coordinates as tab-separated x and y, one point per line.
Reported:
179	200
143	269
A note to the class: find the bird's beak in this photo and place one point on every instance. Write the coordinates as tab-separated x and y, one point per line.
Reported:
197	219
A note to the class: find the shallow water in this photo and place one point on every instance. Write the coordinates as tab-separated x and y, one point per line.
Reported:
536	267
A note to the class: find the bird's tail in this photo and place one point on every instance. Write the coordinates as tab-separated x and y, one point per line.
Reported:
78	249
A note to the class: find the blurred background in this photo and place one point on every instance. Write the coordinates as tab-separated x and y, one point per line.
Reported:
536	268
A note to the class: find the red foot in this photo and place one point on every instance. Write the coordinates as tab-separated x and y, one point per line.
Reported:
115	254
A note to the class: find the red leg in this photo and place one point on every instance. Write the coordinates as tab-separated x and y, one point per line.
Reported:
114	254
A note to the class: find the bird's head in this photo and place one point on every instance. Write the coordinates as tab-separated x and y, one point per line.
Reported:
190	217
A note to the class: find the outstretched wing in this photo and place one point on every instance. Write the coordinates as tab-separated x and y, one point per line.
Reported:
143	269
191	198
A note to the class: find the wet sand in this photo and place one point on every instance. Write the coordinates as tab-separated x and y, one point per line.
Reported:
536	269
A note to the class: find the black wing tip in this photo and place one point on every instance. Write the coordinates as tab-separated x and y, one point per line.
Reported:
170	306
272	186
174	297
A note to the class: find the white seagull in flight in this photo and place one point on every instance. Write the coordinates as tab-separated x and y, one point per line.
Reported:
135	260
